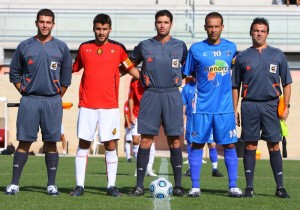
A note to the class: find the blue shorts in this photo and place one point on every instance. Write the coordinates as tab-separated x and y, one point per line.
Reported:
260	121
43	112
211	137
188	133
221	125
161	106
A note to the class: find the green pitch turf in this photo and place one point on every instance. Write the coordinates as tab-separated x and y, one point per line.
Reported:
33	195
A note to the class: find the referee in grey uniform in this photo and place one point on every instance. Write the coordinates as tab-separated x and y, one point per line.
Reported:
259	70
41	70
162	57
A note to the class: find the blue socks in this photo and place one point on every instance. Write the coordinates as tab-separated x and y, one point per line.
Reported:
213	155
231	162
188	148
195	160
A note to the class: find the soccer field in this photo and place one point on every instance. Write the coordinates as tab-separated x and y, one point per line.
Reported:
33	195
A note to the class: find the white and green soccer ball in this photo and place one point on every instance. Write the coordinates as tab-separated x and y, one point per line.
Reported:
161	188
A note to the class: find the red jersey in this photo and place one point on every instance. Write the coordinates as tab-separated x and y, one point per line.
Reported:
136	91
99	86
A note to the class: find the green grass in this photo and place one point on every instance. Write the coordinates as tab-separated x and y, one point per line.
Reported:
214	190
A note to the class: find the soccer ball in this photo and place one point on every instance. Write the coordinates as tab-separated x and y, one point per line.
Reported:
161	188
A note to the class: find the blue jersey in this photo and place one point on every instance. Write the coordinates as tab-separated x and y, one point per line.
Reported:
187	94
212	66
188	99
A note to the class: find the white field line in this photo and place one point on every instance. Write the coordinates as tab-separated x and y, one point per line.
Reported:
163	204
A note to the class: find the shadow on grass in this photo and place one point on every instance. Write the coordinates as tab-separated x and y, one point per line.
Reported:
39	189
130	174
225	193
124	190
98	190
87	189
215	192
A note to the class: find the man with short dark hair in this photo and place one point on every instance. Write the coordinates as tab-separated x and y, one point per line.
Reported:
98	100
162	57
41	71
260	70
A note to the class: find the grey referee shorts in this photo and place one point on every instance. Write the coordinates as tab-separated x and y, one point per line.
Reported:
161	106
39	112
260	121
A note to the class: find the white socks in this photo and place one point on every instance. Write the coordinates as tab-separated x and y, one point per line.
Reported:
152	154
135	149
127	150
111	160
80	163
214	165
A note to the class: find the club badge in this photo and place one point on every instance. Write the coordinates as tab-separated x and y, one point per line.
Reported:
99	51
114	131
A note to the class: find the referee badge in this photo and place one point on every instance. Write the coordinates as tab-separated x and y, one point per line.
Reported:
53	65
99	51
273	68
175	63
